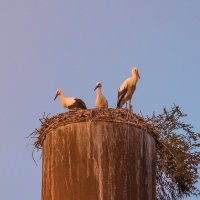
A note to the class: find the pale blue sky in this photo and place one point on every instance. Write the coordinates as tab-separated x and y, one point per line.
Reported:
46	45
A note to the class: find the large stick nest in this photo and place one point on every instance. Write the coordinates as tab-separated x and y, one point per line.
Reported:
176	144
79	115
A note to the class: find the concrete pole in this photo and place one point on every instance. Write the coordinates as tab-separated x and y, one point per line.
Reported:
98	161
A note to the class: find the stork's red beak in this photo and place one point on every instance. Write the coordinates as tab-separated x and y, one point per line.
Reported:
138	75
55	96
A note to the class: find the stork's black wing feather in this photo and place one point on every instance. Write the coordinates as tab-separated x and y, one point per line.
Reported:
121	95
78	104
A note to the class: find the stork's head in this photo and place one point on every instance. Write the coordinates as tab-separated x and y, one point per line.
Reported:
135	72
98	85
58	92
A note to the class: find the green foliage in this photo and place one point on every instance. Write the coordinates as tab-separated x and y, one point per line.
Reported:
177	155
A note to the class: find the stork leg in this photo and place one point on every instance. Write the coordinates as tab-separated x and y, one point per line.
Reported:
130	106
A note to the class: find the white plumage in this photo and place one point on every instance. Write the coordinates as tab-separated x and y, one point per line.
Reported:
69	102
101	101
127	89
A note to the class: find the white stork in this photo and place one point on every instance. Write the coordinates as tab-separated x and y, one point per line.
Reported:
71	102
101	101
127	89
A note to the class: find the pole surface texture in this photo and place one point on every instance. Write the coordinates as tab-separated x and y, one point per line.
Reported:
98	160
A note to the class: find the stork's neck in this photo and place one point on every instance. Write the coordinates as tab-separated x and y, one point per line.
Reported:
134	78
99	94
62	97
99	91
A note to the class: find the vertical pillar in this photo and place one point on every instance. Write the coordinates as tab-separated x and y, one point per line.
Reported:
98	161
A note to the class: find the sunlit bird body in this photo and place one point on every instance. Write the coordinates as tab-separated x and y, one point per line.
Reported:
69	102
101	101
127	89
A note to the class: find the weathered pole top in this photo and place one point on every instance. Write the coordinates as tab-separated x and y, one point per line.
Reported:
79	115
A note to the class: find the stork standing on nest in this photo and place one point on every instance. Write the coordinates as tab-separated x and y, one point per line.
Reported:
127	89
101	101
69	102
